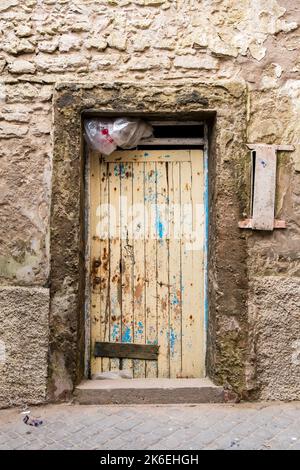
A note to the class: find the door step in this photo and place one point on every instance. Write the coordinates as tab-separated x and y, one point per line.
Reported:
148	391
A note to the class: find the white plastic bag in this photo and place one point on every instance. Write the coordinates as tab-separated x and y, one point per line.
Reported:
98	136
105	135
127	133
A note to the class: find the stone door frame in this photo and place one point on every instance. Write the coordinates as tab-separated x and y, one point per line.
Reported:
224	106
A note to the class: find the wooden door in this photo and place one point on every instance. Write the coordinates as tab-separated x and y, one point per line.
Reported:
147	264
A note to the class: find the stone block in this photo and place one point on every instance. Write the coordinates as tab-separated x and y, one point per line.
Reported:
24	345
192	62
21	66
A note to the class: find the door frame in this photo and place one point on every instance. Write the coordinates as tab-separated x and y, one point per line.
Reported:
224	106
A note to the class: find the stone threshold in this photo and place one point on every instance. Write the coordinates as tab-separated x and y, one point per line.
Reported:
148	391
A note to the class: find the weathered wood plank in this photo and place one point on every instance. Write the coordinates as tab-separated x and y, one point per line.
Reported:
247	223
263	208
263	187
127	252
126	351
115	274
176	123
192	305
95	250
162	248
175	303
280	147
172	141
103	233
148	156
150	263
186	268
197	367
139	264
285	148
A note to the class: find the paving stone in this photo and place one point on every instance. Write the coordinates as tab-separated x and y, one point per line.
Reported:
6	447
102	437
114	444
204	438
128	424
265	433
296	445
233	427
223	443
3	439
276	444
35	445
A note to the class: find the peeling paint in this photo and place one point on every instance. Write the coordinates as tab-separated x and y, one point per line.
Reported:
174	300
120	170
138	292
140	328
126	336
115	333
172	338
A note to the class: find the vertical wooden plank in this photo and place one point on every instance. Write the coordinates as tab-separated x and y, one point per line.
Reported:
95	253
191	284
162	249
105	263
115	278
150	263
198	278
186	270
127	255
174	270
138	230
264	188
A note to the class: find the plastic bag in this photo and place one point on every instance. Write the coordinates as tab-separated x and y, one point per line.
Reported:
105	135
97	135
127	133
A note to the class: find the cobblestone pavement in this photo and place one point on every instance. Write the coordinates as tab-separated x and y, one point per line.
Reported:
68	426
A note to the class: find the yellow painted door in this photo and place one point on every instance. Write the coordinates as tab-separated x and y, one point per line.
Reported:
147	263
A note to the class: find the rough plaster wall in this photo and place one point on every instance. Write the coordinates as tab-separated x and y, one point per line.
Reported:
276	347
23	345
43	42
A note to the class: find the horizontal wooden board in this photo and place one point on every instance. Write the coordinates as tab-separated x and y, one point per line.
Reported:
176	123
126	350
173	141
248	223
147	156
281	148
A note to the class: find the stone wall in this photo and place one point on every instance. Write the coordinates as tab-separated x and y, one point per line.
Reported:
45	42
24	344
